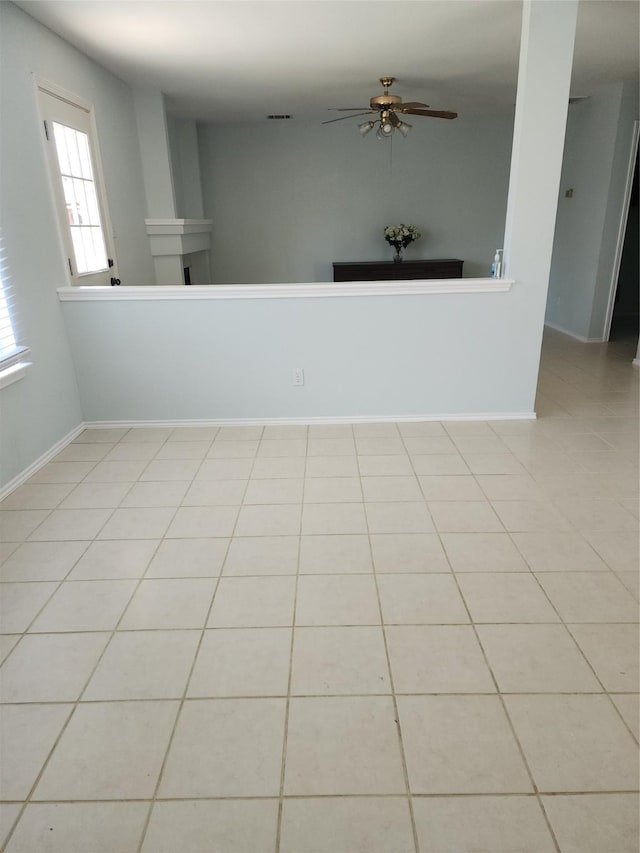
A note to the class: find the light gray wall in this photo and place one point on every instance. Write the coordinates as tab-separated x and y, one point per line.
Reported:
370	356
288	199
44	406
185	165
596	156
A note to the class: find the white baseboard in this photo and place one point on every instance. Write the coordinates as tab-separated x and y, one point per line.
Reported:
346	419
47	456
573	335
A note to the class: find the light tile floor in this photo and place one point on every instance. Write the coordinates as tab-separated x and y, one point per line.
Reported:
368	637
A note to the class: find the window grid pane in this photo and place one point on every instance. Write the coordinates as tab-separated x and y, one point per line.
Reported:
81	200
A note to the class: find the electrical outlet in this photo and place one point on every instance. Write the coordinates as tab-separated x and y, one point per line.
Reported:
298	376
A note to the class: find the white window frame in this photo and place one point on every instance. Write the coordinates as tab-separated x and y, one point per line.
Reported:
47	95
13	357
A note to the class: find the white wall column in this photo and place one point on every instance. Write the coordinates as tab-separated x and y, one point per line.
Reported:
544	77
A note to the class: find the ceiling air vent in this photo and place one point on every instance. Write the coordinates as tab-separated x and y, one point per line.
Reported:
279	117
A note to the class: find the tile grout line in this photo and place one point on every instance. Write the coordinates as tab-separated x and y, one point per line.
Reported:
285	740
182	700
396	712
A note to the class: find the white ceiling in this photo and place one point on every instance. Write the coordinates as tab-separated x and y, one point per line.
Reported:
239	60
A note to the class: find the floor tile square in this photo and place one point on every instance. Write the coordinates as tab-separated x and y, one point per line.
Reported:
536	659
79	827
116	471
232	826
109	751
330	661
263	555
183	449
20	602
451	488
274	520
138	523
284	431
331	447
553	551
71	524
332	490
242	662
494	463
482	552
51	667
408	552
530	515
496	824
479	444
85	606
188	558
385	466
27	735
390	489
83	452
272	468
420	599
41	561
253	602
224	469
510	487
399	517
574	743
17	524
589	597
594	515
380	430
412	429
37	496
114	559
278	491
343	745
337	600
240	433
437	659
133	450
169	603
215	493
7	644
593	823
331	554
460	745
94	435
628	706
620	549
358	824
612	650
379	446
144	665
505	597
157	434
203	522
464	517
61	472
333	518
232	449
439	464
344	465
282	447
423	445
169	493
226	748
330	431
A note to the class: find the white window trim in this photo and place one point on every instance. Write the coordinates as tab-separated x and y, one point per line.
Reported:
14	366
40	84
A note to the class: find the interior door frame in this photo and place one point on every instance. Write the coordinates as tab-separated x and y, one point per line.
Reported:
615	272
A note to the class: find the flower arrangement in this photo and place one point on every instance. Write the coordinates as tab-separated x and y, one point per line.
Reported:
400	236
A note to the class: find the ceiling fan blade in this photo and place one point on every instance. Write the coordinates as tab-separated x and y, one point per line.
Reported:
342	118
346	109
411	105
432	113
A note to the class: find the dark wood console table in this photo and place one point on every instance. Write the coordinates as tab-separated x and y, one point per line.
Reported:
390	271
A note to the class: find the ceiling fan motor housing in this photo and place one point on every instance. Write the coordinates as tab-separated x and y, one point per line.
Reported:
385	102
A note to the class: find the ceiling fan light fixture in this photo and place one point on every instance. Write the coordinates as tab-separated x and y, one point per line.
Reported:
385	131
365	127
404	128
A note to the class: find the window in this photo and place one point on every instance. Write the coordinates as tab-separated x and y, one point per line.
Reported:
13	358
77	186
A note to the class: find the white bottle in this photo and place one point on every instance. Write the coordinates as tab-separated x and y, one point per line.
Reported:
496	266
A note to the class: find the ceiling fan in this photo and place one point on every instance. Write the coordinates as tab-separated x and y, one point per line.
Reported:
387	107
